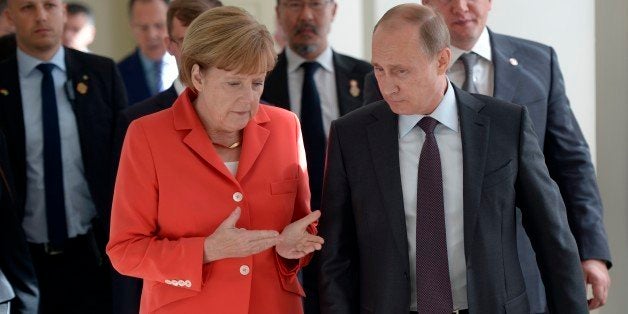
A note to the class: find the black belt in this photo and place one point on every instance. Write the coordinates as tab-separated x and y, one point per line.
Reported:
465	311
81	242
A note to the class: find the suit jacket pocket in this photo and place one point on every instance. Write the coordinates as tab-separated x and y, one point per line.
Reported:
284	187
497	176
518	304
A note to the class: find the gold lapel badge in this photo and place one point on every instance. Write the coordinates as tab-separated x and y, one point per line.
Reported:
354	90
4	92
514	61
81	88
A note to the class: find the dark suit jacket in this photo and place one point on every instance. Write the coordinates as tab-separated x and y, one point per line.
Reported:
347	69
537	83
18	282
127	291
364	264
135	82
95	111
8	46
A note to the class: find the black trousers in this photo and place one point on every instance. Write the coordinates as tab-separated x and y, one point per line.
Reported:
74	280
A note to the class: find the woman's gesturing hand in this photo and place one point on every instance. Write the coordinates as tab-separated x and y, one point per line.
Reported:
295	242
228	241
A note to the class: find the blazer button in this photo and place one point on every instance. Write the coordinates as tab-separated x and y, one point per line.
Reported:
237	196
244	270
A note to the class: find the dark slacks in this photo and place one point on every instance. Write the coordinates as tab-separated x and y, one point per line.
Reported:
75	280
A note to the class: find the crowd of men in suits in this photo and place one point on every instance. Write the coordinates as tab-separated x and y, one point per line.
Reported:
64	114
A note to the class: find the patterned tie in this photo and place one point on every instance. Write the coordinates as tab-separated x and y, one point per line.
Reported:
432	267
313	134
469	60
53	167
157	68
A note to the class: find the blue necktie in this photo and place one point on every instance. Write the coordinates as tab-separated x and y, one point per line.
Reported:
159	85
433	285
53	167
313	133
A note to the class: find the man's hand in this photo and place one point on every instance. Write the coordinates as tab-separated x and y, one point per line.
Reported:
228	241
295	242
596	274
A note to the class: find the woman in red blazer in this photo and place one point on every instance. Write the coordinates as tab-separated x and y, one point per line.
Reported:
211	206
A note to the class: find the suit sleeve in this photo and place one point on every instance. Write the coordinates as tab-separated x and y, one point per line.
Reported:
371	89
545	221
134	248
569	163
289	268
338	265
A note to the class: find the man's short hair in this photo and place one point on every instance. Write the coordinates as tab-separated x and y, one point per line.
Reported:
432	28
187	10
132	3
75	8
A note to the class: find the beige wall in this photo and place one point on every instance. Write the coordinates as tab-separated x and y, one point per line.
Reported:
113	34
612	139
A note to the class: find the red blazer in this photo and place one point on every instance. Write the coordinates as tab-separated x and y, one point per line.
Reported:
173	190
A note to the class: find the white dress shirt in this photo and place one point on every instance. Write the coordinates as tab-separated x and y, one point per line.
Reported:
79	206
483	71
178	86
325	80
411	139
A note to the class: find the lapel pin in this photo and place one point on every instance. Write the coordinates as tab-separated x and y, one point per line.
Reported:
81	88
4	92
354	90
514	61
85	77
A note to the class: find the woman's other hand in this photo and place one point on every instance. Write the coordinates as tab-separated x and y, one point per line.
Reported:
228	241
295	242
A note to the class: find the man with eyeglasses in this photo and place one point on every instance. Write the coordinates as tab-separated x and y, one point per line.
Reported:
128	290
527	73
149	69
319	85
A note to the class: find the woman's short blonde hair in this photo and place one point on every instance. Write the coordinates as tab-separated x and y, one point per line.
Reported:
227	38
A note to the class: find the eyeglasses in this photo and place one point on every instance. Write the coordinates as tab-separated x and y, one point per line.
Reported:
297	6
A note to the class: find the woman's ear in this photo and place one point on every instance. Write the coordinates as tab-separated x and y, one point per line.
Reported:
197	77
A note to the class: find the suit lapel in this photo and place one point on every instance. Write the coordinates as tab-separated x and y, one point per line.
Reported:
276	89
346	83
474	134
254	138
506	66
384	147
12	121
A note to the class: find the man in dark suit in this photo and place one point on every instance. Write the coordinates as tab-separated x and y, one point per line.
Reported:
7	38
57	110
319	85
149	69
127	290
18	283
527	73
420	192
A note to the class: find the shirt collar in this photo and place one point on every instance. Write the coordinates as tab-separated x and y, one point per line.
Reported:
446	113
27	63
178	86
482	48
325	59
147	63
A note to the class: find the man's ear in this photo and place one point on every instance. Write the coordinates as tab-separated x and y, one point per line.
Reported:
444	58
